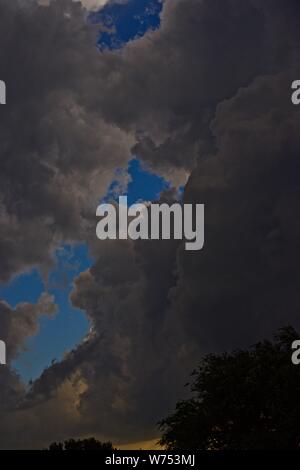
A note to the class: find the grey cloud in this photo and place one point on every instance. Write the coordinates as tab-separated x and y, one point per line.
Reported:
207	94
78	114
243	285
122	355
17	324
58	153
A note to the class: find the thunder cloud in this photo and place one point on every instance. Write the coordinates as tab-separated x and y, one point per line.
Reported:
205	102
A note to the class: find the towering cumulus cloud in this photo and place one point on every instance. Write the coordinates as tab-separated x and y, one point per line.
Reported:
205	101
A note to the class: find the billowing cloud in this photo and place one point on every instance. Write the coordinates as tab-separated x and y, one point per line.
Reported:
206	96
16	325
58	152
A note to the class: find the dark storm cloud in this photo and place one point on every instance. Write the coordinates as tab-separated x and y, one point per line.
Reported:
207	94
77	113
122	354
244	284
166	86
57	152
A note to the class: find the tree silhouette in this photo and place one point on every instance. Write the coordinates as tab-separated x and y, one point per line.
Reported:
244	400
82	444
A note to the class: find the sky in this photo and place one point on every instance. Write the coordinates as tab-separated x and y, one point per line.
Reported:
61	333
186	99
126	21
66	329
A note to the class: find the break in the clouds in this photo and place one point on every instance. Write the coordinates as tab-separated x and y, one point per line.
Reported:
206	98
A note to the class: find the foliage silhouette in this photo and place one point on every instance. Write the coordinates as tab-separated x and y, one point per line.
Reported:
82	444
241	401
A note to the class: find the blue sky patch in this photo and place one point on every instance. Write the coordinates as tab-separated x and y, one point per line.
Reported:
62	332
126	21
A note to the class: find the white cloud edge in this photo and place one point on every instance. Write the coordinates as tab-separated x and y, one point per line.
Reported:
89	4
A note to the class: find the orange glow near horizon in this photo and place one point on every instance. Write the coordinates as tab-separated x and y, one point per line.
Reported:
144	445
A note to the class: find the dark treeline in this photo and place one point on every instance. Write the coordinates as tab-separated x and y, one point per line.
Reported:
82	444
